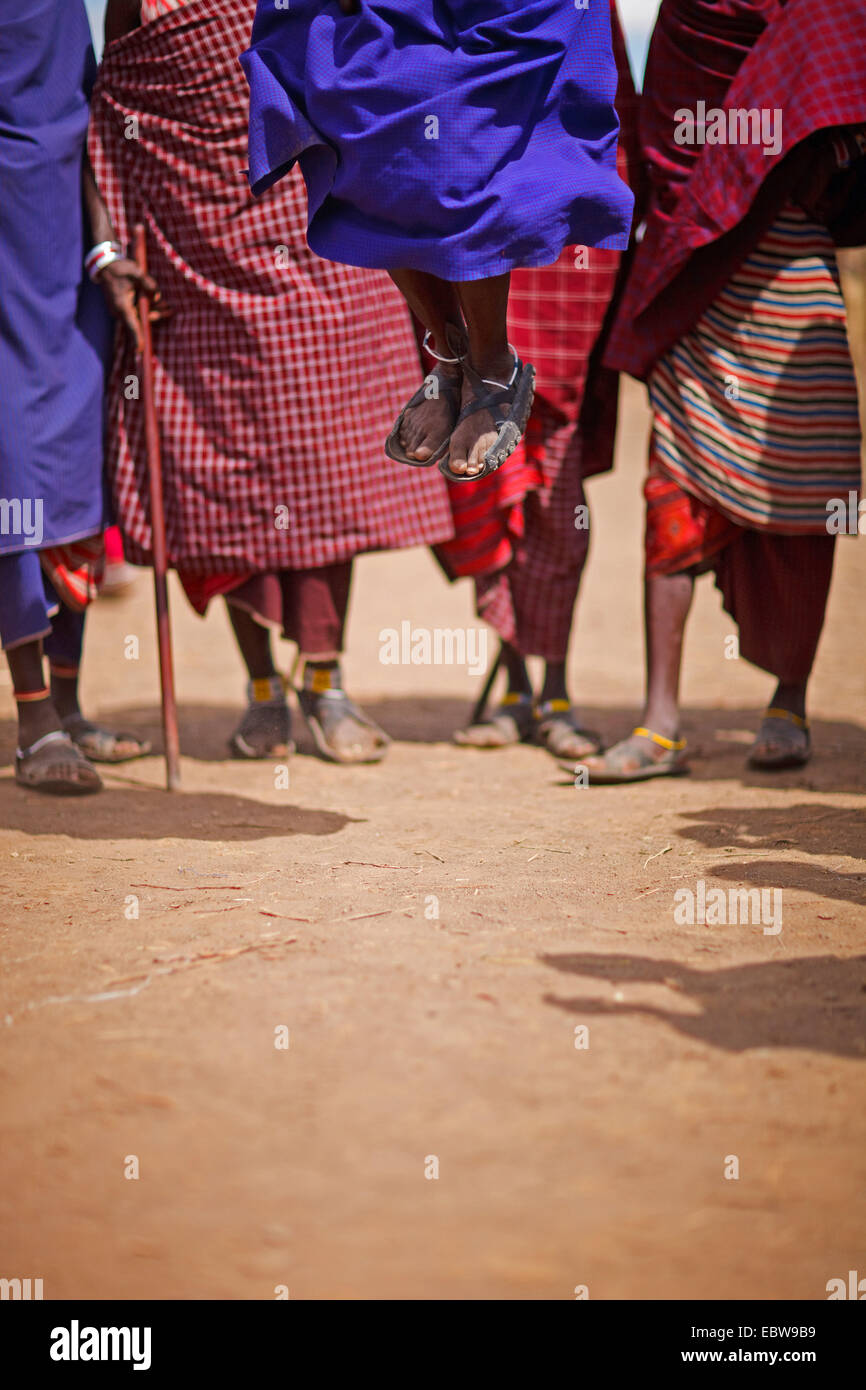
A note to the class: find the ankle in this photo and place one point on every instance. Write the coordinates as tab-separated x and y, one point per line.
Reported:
516	672
37	716
554	687
323	675
64	691
664	721
493	366
791	698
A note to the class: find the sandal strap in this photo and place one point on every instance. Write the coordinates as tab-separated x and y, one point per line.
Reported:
552	707
774	713
451	361
450	389
673	745
56	736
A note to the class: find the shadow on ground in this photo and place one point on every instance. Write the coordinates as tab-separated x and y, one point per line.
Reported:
153	814
816	1002
800	829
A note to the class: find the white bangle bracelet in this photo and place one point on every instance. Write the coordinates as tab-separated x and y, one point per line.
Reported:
102	255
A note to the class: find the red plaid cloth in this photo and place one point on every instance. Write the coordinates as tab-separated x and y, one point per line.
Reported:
713	203
279	375
516	531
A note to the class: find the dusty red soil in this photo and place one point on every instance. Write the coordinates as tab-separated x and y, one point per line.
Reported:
414	1036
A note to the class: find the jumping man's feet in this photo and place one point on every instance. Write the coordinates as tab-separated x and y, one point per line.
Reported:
477	433
426	426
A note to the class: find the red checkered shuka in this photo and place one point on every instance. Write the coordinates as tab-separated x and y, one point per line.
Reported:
279	374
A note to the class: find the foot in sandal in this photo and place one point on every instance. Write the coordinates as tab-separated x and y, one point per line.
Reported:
783	741
265	730
639	757
512	721
559	730
495	409
53	764
422	431
100	745
342	732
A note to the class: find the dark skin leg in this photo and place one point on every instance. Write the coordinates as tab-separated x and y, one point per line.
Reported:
254	642
791	697
554	687
515	668
434	303
39	717
485	307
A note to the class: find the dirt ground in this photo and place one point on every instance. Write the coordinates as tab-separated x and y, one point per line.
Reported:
415	1037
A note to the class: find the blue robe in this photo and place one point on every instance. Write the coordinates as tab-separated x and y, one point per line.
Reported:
458	137
54	328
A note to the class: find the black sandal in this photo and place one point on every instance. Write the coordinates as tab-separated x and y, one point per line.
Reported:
449	387
518	393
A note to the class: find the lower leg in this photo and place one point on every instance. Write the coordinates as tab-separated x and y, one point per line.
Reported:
485	308
37	715
667	600
791	696
555	687
343	733
63	648
515	670
264	730
254	641
434	303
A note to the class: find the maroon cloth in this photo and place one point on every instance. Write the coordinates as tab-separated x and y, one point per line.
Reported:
711	204
775	589
279	375
308	605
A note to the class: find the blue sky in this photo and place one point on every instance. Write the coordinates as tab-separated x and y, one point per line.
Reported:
638	16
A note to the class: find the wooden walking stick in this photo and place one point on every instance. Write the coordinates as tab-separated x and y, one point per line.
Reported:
157	527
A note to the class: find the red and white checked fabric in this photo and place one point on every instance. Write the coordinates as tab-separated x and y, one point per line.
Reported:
279	374
155	9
